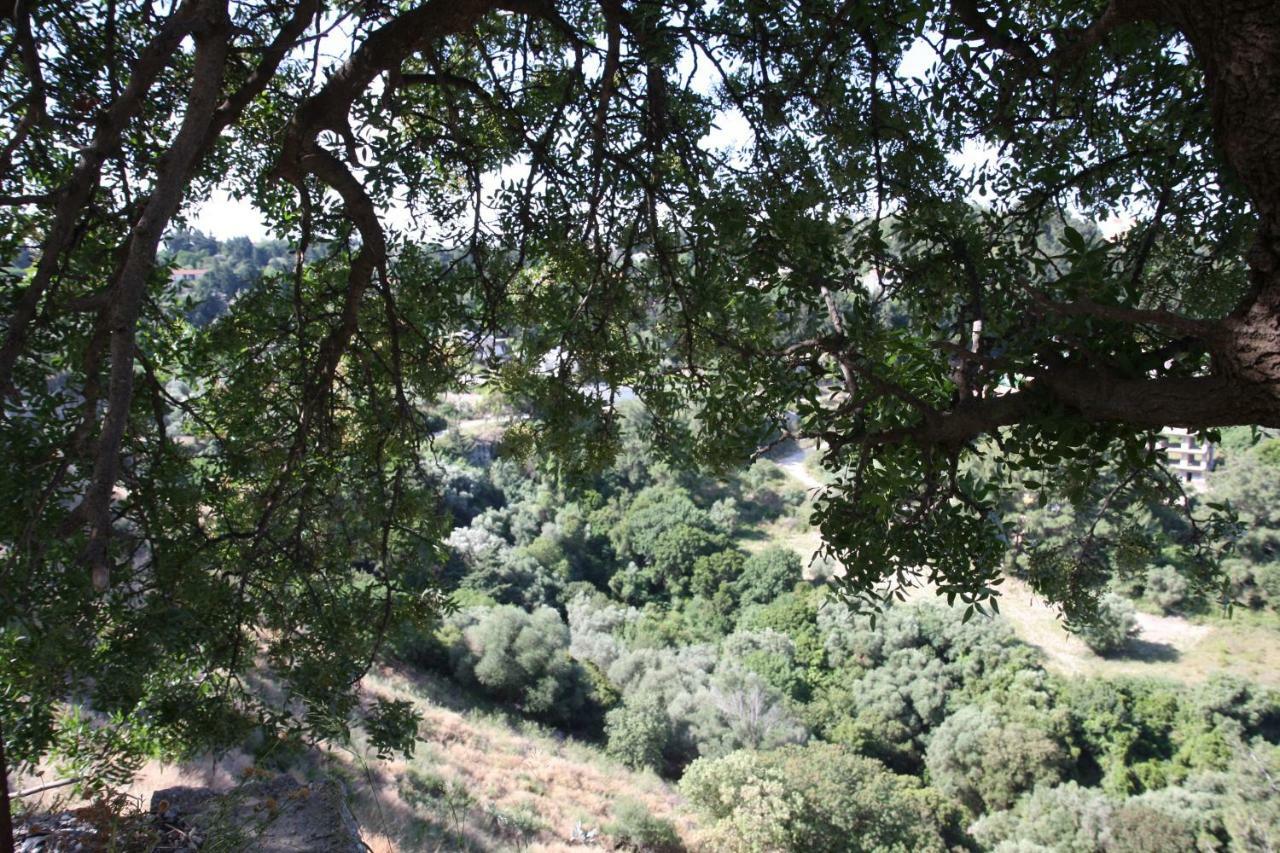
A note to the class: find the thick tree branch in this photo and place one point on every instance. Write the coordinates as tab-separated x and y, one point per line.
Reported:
83	182
1116	14
1075	44
1096	395
211	30
1085	307
289	36
384	49
969	14
431	78
34	113
371	257
1238	43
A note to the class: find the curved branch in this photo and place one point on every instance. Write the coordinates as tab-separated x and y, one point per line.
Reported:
384	51
82	184
211	30
1117	14
386	48
968	13
1076	43
35	112
371	257
289	36
1100	396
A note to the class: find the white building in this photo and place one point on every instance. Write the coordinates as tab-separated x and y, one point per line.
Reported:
1189	459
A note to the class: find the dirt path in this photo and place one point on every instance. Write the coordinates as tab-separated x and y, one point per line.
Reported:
1163	641
793	465
1171	631
1166	647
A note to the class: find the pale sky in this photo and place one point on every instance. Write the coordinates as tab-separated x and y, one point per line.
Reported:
223	217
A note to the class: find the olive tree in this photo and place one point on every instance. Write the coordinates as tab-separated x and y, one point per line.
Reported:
986	762
519	657
767	574
815	797
1111	627
638	732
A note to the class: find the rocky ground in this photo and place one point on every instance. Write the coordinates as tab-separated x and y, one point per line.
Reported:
269	815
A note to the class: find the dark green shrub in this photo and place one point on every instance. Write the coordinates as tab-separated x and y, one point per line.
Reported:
768	574
815	797
717	571
796	615
1254	585
638	732
419	645
634	827
654	512
521	658
771	655
684	622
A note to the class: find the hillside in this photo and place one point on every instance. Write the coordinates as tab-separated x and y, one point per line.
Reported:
526	786
479	779
1167	645
649	660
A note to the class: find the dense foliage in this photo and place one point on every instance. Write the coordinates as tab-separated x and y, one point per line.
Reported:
1112	627
817	797
519	658
795	723
223	512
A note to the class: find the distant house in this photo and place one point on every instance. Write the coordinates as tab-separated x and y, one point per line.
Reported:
1188	458
186	275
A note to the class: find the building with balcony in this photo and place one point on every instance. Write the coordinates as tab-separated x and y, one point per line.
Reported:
1190	459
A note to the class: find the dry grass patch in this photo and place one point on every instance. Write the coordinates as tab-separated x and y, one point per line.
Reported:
512	770
1169	647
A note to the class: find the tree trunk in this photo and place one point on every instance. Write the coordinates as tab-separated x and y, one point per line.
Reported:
6	817
1238	44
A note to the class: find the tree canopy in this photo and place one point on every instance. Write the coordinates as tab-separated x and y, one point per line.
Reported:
889	254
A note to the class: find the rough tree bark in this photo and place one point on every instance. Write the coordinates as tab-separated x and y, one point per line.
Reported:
1237	42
